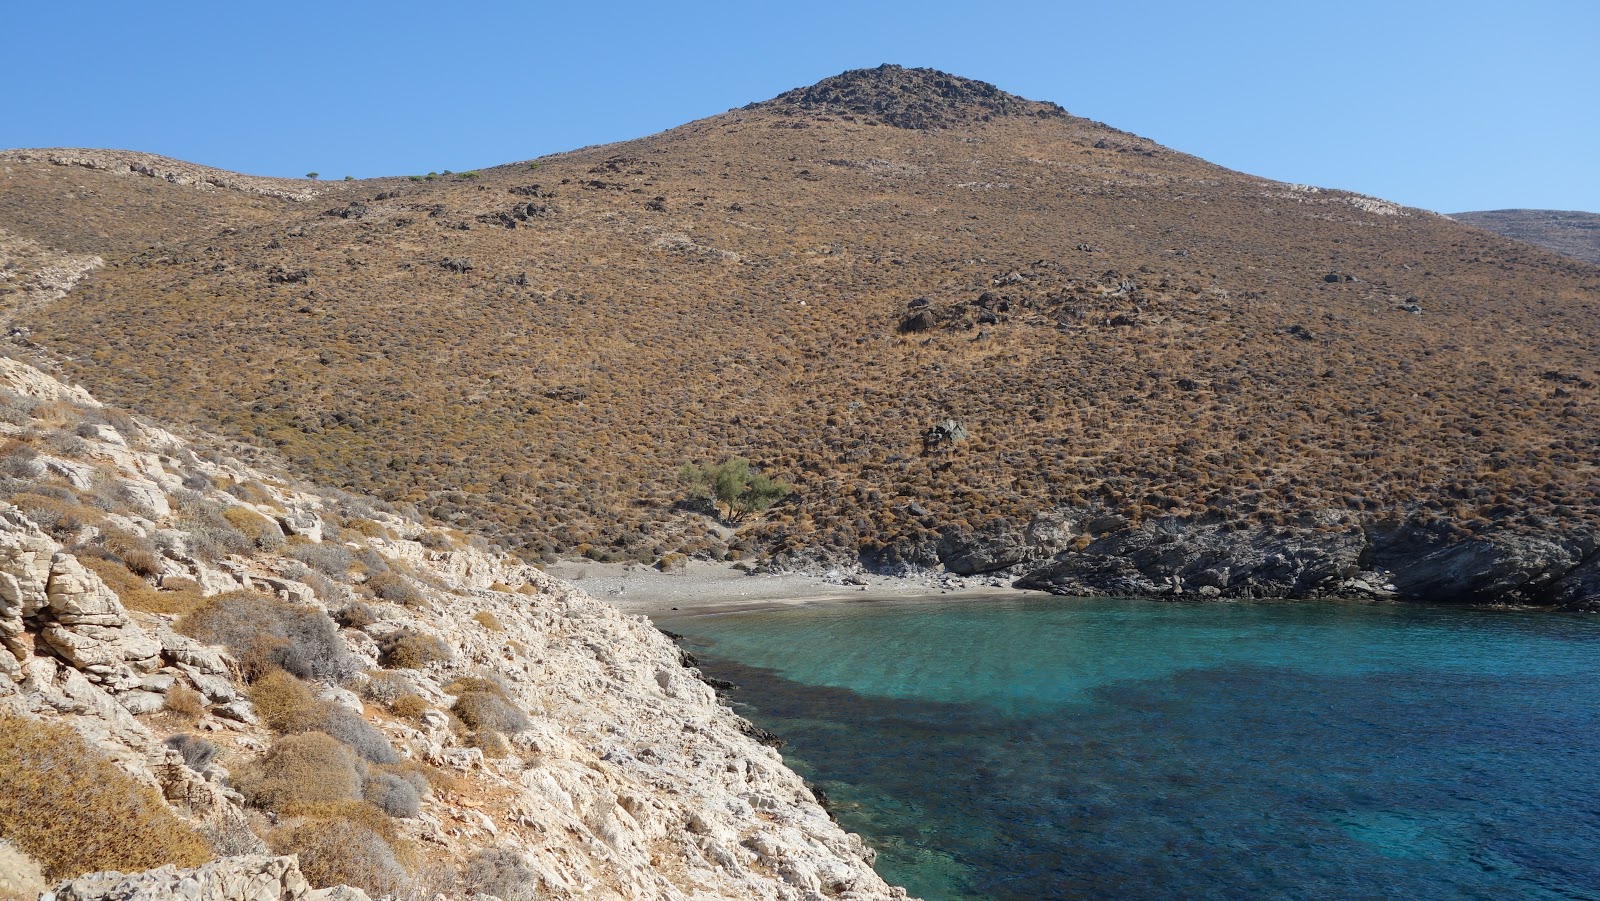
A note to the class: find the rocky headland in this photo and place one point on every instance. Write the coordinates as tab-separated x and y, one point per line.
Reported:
518	738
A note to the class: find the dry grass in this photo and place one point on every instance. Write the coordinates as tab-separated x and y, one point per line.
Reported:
137	594
75	811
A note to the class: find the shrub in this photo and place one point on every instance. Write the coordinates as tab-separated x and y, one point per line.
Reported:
136	552
392	795
134	592
262	532
488	620
185	702
57	516
384	688
490	742
197	752
410	707
339	851
287	705
500	872
482	704
397	589
356	616
300	771
15	408
412	650
74	810
211	536
329	559
265	632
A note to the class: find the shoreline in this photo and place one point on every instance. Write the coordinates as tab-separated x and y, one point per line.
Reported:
710	589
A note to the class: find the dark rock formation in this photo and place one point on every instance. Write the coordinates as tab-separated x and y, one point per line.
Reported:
1402	560
909	98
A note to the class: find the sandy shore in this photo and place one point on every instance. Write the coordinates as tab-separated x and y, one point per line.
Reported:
702	589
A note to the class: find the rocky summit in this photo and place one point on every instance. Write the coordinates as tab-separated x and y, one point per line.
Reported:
967	330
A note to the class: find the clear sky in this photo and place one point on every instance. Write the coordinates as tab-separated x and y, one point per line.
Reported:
1449	106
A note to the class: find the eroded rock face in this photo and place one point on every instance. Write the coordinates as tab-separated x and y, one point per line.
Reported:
1344	559
245	878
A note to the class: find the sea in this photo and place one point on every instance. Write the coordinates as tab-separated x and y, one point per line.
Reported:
1055	748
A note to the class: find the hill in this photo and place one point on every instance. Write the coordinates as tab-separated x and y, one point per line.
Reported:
1136	343
1566	232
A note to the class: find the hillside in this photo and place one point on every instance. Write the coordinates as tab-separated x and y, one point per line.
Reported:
1133	339
1566	232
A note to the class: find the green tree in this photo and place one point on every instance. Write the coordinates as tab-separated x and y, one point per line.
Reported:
736	488
311	175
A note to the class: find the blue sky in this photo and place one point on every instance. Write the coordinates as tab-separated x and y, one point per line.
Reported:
1448	106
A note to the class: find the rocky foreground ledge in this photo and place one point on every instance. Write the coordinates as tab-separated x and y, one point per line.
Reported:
461	724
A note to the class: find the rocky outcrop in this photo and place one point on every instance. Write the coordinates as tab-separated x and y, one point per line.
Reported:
909	98
1331	557
149	165
246	878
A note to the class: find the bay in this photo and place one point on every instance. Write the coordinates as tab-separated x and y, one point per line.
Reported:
1064	748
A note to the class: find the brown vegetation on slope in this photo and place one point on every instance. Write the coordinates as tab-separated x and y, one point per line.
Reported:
531	351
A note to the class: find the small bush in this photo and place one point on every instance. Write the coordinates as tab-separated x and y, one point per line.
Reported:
197	752
59	517
500	872
339	851
287	705
482	704
488	620
211	536
356	616
490	742
412	650
134	592
392	795
410	707
385	687
300	771
331	560
185	702
75	811
397	589
135	551
15	408
265	632
262	532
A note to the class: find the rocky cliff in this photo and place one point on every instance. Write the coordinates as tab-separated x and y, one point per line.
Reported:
517	737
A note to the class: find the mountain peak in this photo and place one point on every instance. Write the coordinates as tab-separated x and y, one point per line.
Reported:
908	98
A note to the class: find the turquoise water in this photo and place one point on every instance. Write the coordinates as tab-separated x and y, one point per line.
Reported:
1061	749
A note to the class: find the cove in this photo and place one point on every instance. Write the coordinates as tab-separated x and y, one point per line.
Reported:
1062	749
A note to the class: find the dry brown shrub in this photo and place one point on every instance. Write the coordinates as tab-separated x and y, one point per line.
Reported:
285	703
410	707
137	594
263	533
412	650
137	552
74	810
488	620
185	702
301	771
490	742
340	851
